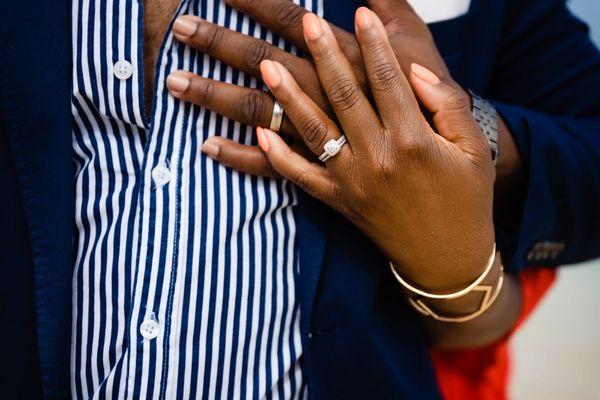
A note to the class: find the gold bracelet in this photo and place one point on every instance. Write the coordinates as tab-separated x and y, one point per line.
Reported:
460	293
489	297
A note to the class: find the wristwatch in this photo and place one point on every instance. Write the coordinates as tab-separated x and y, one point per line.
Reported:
487	117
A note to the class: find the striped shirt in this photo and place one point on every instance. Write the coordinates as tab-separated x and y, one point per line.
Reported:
185	272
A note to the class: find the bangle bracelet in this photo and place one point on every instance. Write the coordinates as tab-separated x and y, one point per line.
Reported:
486	303
454	295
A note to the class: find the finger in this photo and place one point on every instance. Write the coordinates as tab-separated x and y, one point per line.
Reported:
451	111
397	15
345	95
313	125
242	52
312	178
243	158
285	18
389	87
244	105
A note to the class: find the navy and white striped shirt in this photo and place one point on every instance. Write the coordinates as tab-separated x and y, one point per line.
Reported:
185	273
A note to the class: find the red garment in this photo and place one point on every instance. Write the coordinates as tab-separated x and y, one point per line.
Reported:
483	373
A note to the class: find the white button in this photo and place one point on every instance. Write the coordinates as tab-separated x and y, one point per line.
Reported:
123	69
150	329
161	175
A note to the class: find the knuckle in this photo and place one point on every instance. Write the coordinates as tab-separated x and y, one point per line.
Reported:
287	15
205	90
385	76
252	107
411	148
214	36
315	132
324	56
344	94
256	52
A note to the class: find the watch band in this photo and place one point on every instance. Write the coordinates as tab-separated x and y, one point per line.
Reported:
486	116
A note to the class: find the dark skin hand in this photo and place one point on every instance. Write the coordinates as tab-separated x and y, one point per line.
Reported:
424	199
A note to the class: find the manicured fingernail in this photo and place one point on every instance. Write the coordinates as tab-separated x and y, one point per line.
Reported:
424	74
184	26
364	18
211	149
312	26
270	73
177	82
263	142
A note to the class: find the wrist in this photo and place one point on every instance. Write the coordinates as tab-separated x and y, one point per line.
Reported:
453	272
450	266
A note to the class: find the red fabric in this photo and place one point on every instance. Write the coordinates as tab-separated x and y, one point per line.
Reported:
483	373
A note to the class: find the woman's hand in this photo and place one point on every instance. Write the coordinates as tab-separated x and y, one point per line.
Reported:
425	199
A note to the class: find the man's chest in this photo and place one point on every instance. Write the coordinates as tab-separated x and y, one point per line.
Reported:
157	16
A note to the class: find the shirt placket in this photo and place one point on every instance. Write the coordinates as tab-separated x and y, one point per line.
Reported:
158	234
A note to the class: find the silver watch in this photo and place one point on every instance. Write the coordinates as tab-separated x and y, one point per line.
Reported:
487	117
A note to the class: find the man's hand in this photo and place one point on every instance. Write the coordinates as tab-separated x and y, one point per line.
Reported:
408	34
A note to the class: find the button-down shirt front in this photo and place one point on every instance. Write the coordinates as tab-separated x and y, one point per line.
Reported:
185	272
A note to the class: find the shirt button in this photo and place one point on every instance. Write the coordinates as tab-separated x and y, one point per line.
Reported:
150	329
123	69
161	175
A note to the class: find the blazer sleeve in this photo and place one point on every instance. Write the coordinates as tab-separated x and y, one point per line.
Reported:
546	86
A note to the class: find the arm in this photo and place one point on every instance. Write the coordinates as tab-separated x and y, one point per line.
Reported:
546	83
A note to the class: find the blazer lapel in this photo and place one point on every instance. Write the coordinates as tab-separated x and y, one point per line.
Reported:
35	97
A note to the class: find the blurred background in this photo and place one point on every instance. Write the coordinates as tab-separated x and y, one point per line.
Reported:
556	354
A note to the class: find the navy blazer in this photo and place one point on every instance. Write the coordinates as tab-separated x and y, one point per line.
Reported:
530	56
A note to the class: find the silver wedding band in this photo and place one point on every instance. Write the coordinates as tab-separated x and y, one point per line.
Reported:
332	148
277	117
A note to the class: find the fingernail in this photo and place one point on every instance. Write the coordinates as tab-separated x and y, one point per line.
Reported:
270	73
211	149
312	26
177	82
364	18
184	26
263	142
424	74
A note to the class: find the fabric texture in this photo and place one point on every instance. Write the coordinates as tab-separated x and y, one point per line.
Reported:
185	272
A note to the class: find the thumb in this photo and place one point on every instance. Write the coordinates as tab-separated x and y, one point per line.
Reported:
396	15
451	109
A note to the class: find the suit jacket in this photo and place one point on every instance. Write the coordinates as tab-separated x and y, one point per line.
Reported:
530	56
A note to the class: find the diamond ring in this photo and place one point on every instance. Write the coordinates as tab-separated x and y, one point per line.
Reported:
333	147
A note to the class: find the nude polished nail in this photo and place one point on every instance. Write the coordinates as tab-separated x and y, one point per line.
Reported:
364	19
262	139
184	27
270	73
211	149
424	74
312	26
177	82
